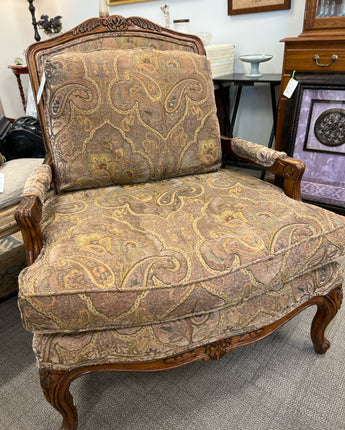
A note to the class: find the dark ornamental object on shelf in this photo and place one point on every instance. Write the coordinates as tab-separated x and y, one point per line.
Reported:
330	127
34	22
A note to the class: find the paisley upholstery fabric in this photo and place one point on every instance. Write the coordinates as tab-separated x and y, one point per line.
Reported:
123	257
262	155
128	116
166	339
113	40
39	182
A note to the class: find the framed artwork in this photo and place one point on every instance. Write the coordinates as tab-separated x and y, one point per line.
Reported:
117	2
236	7
325	130
314	132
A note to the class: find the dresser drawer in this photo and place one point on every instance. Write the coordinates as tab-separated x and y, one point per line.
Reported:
302	60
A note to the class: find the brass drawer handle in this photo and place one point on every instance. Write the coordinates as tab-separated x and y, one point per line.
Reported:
316	58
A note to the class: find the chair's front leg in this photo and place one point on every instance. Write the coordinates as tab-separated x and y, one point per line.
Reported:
327	307
55	385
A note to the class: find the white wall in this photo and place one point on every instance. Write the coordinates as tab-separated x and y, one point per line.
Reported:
250	33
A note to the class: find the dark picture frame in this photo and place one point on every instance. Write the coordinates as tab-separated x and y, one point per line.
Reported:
320	135
236	7
317	96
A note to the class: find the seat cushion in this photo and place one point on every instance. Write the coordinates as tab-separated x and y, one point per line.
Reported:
127	256
16	173
128	116
167	339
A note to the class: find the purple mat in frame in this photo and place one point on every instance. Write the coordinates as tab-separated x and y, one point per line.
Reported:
314	132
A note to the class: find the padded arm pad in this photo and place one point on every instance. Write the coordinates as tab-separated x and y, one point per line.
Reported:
38	183
265	157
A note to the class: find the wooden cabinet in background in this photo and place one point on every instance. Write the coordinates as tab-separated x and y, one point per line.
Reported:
316	108
324	16
319	49
304	54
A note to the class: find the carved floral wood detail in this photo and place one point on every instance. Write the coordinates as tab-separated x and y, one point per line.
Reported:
116	23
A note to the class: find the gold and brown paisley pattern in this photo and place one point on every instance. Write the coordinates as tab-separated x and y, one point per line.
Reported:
161	340
144	127
39	182
122	257
110	41
254	152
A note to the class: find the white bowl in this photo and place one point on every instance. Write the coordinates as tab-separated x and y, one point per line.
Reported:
255	60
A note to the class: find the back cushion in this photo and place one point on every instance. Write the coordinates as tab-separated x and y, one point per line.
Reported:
121	117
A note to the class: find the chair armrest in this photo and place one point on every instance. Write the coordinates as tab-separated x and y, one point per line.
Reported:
29	212
279	163
39	182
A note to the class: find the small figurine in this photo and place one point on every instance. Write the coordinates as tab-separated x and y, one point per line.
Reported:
166	14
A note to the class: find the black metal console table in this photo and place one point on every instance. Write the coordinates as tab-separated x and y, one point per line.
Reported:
241	80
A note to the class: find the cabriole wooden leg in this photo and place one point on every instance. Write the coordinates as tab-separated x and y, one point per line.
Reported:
327	307
55	385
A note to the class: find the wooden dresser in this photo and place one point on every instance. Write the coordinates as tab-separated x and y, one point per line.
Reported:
311	125
319	49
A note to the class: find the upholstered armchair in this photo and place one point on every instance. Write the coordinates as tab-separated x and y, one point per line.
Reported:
149	255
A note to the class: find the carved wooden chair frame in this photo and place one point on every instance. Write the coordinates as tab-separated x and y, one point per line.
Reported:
56	383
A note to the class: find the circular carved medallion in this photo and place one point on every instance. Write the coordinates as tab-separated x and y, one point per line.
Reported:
329	128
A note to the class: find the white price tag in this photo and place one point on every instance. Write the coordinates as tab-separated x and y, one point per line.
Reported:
40	90
2	182
290	88
30	103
